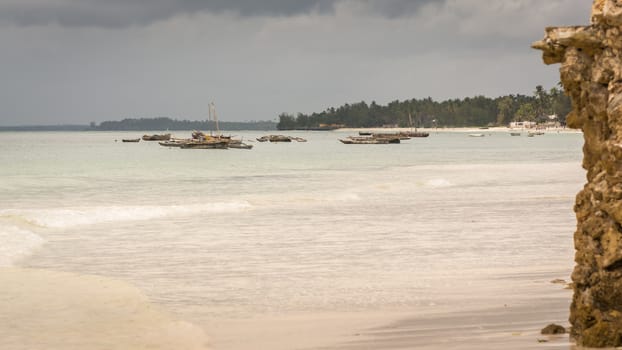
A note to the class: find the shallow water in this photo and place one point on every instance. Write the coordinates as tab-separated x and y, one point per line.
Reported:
441	222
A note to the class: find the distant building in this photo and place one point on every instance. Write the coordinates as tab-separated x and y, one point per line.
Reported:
526	125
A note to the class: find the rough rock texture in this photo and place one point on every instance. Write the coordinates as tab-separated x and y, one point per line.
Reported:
591	73
553	329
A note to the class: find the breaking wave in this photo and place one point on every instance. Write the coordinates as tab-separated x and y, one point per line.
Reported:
16	243
73	216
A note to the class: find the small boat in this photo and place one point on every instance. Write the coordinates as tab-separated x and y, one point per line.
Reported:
399	136
515	134
205	145
157	137
240	145
174	142
364	140
131	140
280	138
476	135
414	133
235	143
274	138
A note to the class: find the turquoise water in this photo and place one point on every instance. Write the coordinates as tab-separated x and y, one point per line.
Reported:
294	228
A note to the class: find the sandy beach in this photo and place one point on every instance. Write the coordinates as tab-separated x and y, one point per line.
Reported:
496	129
504	322
55	310
52	310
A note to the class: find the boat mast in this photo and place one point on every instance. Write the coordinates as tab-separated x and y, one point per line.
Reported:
216	119
209	116
212	112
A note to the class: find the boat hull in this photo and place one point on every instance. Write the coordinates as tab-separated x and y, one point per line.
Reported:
205	145
164	137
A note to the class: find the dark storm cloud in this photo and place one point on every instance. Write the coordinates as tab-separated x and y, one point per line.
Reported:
95	60
124	13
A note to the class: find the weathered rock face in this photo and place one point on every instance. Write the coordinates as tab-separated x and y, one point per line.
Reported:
591	73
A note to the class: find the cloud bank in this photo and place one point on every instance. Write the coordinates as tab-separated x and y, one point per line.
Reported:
76	61
124	13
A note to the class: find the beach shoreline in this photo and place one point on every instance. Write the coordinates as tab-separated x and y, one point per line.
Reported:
506	323
53	310
552	130
74	310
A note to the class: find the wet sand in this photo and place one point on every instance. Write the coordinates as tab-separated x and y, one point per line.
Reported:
55	310
509	328
510	323
48	310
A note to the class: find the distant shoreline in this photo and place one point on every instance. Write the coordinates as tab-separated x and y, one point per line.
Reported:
69	127
473	129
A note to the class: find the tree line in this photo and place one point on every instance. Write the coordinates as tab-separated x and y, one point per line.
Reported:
165	123
470	111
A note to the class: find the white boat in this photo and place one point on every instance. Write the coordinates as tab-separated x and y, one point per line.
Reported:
476	135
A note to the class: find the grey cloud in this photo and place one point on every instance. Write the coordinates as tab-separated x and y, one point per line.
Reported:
360	49
119	13
124	13
399	8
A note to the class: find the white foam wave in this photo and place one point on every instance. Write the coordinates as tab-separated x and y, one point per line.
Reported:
71	217
16	243
438	183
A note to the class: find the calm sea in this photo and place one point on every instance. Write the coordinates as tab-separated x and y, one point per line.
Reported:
294	228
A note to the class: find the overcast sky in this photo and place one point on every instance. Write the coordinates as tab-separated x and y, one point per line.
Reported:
77	61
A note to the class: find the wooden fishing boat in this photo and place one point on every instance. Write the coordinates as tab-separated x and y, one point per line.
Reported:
237	143
280	138
131	140
414	133
205	145
174	142
390	136
157	137
240	145
363	140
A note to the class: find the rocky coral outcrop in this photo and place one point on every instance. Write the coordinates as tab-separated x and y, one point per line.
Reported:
553	329
591	73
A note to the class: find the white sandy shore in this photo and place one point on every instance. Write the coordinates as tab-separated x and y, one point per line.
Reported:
468	130
507	327
48	310
54	310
